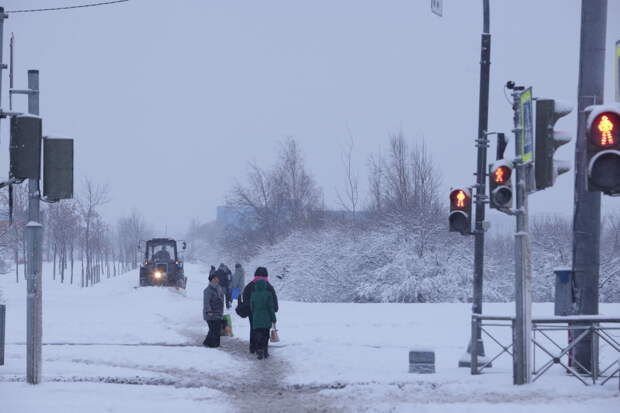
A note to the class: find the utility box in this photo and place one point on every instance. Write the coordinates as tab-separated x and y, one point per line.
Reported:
25	147
57	168
564	291
2	330
422	360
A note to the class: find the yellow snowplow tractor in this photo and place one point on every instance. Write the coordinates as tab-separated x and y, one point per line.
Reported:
162	264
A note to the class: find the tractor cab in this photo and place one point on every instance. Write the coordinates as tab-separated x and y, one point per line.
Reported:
162	264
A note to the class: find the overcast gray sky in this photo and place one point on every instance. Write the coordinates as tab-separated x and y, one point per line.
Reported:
168	101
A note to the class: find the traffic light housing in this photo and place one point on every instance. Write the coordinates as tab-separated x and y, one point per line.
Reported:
500	184
57	168
25	147
460	211
603	153
548	140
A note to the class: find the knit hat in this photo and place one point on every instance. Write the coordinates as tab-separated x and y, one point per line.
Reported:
261	272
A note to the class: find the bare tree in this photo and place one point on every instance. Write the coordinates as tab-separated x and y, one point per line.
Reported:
274	202
376	183
93	196
131	230
350	200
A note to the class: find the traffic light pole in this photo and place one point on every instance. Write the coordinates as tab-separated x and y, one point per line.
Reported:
587	213
482	143
522	353
34	258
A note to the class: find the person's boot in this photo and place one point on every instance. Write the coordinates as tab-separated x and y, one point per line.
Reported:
259	354
266	355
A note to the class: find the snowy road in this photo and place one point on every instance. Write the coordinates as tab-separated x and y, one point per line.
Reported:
116	348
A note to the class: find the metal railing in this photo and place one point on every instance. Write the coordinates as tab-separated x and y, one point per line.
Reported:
580	329
482	323
596	329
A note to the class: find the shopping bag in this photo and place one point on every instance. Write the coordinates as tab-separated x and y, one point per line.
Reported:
242	309
275	337
228	325
235	293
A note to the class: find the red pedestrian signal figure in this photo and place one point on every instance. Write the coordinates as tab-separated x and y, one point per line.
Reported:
460	211
460	199
604	149
501	174
606	126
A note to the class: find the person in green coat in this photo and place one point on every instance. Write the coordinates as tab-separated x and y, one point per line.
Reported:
262	307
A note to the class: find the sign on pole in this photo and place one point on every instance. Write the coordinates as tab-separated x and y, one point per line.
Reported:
437	7
525	133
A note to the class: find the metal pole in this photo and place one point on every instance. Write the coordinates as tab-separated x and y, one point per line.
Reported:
522	361
34	264
11	79
2	65
482	143
587	212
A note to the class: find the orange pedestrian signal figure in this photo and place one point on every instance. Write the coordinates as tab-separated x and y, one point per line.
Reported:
501	175
460	199
606	127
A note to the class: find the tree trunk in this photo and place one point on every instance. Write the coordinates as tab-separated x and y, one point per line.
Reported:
71	262
54	258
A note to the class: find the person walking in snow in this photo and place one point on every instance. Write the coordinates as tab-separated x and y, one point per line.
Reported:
262	308
225	276
260	274
213	311
238	281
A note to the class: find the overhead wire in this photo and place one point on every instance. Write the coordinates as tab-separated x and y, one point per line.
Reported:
77	6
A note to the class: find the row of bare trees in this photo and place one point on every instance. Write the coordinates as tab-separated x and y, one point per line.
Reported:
81	246
275	201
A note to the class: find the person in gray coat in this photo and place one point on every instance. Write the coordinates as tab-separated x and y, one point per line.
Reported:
213	311
238	281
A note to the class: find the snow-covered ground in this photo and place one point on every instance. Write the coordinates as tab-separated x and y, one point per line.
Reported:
117	348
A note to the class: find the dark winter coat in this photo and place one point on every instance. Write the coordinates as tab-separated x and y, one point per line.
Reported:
262	305
238	279
213	302
224	279
249	289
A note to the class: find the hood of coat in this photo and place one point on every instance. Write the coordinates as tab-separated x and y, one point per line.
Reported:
260	285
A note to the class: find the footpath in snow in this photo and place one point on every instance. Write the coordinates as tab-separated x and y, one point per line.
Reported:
118	348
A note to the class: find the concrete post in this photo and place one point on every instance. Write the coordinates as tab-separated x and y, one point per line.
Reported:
34	257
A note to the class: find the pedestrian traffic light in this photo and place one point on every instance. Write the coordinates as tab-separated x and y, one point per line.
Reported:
546	169
460	211
500	184
603	136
